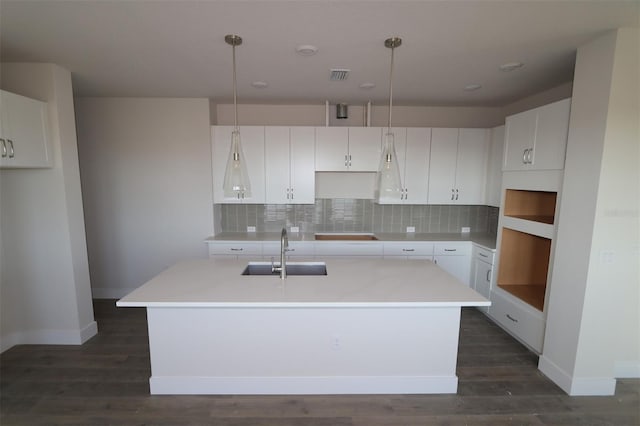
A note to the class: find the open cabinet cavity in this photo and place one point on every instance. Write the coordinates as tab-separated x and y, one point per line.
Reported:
524	266
537	206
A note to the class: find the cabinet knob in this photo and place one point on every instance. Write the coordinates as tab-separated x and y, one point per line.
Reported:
4	148
11	151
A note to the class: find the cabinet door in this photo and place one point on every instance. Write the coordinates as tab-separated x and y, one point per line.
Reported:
458	266
482	279
520	132
471	166
551	136
332	149
494	168
277	160
416	172
252	141
365	145
25	131
442	166
302	175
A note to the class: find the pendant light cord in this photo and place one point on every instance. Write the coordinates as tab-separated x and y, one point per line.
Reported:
235	100
390	89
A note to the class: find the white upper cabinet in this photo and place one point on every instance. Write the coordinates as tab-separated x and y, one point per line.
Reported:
252	141
413	149
442	170
458	166
471	166
24	135
494	167
537	139
341	149
289	165
365	148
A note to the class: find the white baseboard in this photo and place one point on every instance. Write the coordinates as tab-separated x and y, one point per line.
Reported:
49	337
577	386
626	370
110	292
199	385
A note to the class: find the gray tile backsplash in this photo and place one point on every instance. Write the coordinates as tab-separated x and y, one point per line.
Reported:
357	215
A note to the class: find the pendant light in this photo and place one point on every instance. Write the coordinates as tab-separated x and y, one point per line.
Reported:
388	182
236	177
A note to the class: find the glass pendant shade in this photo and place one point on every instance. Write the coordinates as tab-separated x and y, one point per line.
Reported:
388	184
236	177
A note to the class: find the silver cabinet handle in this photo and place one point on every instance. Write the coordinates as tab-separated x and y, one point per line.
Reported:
452	193
236	249
456	194
11	151
349	160
489	275
511	318
529	156
450	249
408	249
482	255
524	156
292	193
4	148
346	160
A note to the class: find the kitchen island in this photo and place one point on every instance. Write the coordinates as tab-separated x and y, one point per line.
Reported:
368	326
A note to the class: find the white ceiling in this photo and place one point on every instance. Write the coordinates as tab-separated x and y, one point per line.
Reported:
177	48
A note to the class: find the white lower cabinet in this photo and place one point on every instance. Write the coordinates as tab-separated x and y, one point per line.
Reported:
522	321
412	250
235	249
455	258
482	265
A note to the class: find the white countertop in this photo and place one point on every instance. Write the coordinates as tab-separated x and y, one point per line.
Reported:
483	239
349	283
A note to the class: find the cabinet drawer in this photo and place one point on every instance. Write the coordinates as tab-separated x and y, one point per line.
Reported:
296	249
235	248
522	323
452	249
411	248
484	254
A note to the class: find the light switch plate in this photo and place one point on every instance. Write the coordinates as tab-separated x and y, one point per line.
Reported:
295	229
251	229
465	229
411	229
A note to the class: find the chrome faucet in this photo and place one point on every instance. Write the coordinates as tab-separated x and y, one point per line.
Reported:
284	245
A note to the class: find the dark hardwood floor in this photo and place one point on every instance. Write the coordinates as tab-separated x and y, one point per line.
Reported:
105	382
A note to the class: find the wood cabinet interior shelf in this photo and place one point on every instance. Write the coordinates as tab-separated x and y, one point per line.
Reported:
537	206
524	264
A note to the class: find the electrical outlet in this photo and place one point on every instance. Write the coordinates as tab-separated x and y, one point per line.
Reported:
465	229
251	229
295	229
411	229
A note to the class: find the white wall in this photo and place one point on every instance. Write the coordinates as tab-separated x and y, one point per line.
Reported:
146	181
404	116
545	97
592	321
45	288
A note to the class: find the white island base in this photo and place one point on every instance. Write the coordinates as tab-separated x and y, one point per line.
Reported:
394	329
303	351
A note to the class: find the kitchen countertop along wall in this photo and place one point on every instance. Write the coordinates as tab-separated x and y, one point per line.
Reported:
483	239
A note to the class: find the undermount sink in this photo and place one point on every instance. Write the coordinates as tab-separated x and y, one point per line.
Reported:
293	268
346	237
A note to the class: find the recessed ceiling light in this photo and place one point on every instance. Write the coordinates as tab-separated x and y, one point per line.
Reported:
306	50
367	86
259	84
510	66
472	87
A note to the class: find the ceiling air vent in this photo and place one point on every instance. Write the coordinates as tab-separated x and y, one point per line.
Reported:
338	74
